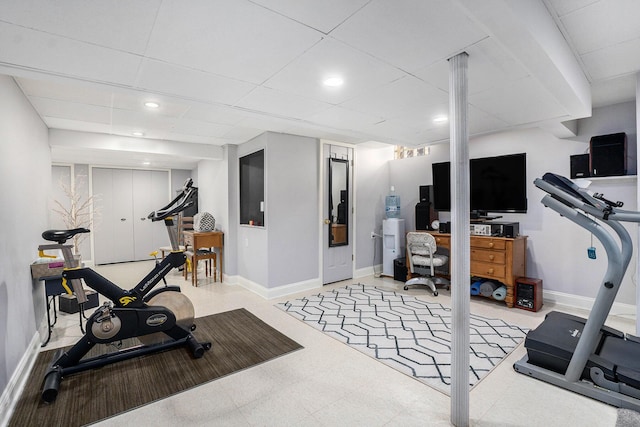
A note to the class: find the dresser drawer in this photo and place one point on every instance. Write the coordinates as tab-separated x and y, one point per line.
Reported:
484	269
483	242
444	241
495	257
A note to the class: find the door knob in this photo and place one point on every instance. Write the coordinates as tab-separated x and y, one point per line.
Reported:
123	219
142	219
326	221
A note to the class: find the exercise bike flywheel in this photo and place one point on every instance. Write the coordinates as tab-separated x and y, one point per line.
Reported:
182	308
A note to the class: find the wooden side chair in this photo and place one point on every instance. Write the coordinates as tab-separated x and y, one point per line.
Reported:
195	255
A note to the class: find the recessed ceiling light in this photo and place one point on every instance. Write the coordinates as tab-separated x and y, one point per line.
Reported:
137	134
151	104
146	163
333	81
440	119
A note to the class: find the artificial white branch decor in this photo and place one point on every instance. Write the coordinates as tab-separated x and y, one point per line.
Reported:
79	209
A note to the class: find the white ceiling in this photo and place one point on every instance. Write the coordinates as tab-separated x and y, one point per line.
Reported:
225	71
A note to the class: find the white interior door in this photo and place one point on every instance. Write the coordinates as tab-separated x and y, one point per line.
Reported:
337	236
113	232
126	196
150	192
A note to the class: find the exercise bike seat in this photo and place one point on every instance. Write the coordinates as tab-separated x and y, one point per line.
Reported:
61	236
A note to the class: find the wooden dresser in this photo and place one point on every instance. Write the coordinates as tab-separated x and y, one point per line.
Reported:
499	258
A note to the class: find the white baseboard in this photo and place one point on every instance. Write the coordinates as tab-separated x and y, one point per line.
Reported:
586	303
367	271
16	384
279	291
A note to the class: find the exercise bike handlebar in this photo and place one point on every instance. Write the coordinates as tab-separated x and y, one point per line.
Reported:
180	203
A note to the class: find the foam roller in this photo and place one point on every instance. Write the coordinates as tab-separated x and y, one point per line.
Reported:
475	288
487	288
500	294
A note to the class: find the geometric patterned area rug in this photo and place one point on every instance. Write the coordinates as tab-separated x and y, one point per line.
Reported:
410	335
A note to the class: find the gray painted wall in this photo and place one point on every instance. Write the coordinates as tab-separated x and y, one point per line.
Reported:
292	208
25	184
371	183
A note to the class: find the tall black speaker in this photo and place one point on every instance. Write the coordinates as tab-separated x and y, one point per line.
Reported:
423	215
423	208
608	155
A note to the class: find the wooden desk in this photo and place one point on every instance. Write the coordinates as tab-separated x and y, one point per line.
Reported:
205	239
499	258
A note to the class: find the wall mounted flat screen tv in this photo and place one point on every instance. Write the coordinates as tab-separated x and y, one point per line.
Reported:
497	184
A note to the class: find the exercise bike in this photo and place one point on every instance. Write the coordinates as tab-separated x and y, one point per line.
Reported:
160	319
584	355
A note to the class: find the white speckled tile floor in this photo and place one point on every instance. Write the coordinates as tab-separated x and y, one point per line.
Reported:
330	384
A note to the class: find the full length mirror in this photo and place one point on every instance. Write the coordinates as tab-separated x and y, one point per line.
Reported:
338	202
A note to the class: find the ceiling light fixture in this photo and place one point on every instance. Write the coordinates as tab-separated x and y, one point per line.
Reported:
146	163
333	81
137	134
440	119
151	104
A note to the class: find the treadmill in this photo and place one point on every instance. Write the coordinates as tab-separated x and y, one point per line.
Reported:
583	355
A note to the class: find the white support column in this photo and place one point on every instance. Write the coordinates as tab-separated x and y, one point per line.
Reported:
638	198
460	245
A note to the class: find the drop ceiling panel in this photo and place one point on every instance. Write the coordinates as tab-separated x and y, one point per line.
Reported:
615	91
281	104
134	101
80	93
562	7
141	120
240	134
409	34
323	16
195	127
231	38
618	60
161	77
603	24
213	114
102	23
305	75
407	95
516	103
59	55
344	118
48	107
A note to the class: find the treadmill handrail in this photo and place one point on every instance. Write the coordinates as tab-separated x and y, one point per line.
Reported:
575	199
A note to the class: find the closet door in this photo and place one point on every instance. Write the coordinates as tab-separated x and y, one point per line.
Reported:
113	232
150	192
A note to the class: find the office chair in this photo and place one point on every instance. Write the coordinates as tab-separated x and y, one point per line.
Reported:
423	259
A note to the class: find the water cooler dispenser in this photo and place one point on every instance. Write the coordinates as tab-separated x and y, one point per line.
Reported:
392	243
